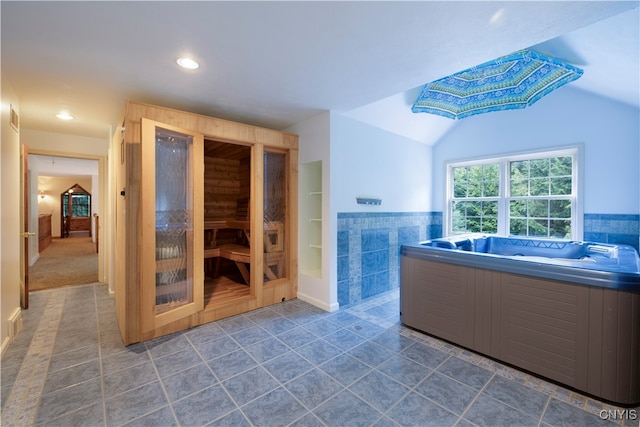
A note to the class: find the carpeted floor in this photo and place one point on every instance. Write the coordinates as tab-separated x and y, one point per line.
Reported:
71	261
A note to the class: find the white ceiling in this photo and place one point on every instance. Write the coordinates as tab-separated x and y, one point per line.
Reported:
55	166
274	64
607	51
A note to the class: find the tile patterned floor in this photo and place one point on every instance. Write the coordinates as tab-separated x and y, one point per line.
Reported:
288	364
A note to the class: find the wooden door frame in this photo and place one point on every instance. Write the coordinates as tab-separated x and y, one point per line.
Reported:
150	321
24	289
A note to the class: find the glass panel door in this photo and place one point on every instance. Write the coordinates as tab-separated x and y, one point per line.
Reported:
275	215
172	221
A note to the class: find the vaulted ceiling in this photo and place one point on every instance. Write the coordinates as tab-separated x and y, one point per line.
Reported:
274	64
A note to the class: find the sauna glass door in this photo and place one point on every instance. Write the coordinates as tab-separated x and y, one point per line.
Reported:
172	211
275	215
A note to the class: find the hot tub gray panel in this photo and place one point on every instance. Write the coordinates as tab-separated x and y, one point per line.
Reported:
584	336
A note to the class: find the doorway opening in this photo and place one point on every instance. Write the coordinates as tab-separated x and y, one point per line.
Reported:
226	222
63	193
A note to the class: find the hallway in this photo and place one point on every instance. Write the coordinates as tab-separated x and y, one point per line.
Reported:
69	261
287	364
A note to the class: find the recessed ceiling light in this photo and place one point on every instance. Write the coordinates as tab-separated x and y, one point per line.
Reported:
64	116
187	63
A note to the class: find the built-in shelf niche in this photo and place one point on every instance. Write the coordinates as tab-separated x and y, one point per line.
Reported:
310	180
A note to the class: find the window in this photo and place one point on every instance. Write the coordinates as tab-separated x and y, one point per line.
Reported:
476	194
80	205
531	195
75	202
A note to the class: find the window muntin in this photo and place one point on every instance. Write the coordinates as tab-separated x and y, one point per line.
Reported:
531	195
476	191
80	205
541	193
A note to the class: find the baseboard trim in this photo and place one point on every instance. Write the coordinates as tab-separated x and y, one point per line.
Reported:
5	345
14	326
34	259
317	303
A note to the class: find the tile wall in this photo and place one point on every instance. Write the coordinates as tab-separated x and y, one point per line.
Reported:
369	244
612	228
368	249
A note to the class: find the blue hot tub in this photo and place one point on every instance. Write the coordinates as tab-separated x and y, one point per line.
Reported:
565	310
589	263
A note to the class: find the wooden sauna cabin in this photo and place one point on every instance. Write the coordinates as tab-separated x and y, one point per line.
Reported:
205	220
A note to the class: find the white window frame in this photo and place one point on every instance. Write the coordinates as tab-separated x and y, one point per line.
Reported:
577	205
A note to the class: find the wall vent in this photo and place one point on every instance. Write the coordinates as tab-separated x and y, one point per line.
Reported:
14	119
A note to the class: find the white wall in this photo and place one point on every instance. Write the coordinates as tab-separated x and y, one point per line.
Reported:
609	130
313	145
59	143
371	162
358	160
10	215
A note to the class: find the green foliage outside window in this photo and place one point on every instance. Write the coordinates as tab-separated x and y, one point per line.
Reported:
541	177
65	204
476	182
533	211
538	201
475	217
80	205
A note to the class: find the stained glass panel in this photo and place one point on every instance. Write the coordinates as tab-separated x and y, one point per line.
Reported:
174	220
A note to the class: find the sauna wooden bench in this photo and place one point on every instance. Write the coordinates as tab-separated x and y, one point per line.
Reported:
239	254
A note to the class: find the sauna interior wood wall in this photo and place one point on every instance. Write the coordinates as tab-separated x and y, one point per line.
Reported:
226	180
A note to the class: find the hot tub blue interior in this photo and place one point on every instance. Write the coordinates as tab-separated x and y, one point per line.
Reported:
587	255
